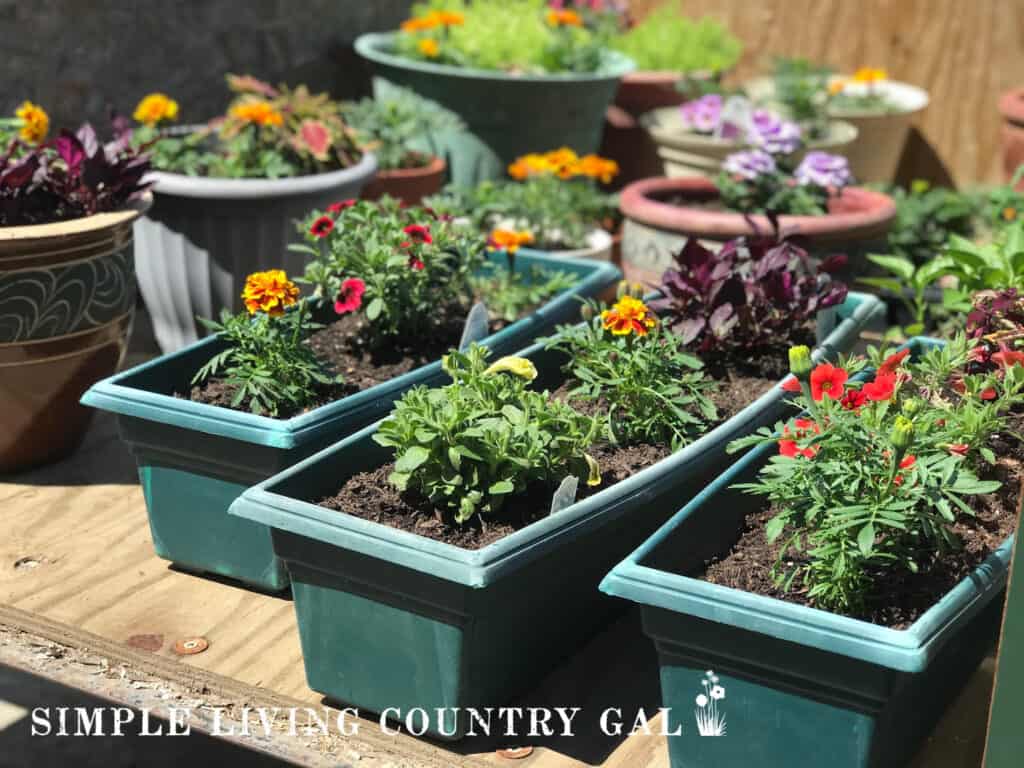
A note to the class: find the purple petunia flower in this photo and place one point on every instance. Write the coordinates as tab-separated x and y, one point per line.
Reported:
749	164
774	135
823	170
702	115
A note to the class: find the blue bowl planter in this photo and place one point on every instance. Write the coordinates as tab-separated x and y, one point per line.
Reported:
194	459
803	687
393	621
505	115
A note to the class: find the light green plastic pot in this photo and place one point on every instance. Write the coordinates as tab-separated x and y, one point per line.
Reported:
390	619
505	115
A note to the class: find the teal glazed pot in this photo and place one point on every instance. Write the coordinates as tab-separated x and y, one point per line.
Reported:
505	115
390	619
194	459
802	687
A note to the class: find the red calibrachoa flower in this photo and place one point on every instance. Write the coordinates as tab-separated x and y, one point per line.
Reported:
803	429
827	379
416	263
322	226
341	205
882	388
791	384
892	362
419	233
350	297
853	400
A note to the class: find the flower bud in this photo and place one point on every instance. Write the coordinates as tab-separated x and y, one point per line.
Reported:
587	312
800	362
902	434
911	407
622	289
518	366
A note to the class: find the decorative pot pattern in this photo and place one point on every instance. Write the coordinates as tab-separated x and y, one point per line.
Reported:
67	294
204	236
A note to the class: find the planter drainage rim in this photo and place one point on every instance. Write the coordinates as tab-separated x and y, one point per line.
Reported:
181	185
478	568
111	395
909	650
375	46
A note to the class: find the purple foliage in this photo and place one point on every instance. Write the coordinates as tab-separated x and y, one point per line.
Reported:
755	291
72	176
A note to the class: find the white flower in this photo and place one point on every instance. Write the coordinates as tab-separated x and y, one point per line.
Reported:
710	672
718	692
714	678
705	683
702	700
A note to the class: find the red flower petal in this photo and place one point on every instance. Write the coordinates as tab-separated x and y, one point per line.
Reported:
892	362
792	384
882	388
341	205
350	297
322	226
828	380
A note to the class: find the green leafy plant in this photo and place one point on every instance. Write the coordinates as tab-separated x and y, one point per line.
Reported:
400	128
911	284
874	473
926	216
801	87
995	264
469	446
405	270
1004	205
665	39
509	292
267	132
265	360
639	374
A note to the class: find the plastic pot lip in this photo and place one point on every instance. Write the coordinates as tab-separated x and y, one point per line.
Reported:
859	212
908	650
80	226
598	240
374	46
112	395
480	567
180	185
1011	106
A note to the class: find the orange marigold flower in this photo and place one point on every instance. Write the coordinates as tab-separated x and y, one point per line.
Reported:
870	75
155	108
421	23
508	240
429	47
836	86
564	18
257	112
269	292
1009	213
597	167
450	18
35	123
628	315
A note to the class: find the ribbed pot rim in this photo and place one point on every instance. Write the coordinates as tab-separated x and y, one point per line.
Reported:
374	45
80	226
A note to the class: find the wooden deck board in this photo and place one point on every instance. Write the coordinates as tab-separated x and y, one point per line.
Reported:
84	522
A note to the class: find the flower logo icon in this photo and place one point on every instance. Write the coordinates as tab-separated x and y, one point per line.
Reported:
710	721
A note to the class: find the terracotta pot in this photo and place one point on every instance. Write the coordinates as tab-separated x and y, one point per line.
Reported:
67	294
656	225
1011	105
410	185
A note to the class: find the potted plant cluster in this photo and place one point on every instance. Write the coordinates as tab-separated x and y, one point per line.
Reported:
880	109
402	131
393	288
226	195
67	289
813	198
553	203
517	73
428	542
694	139
849	571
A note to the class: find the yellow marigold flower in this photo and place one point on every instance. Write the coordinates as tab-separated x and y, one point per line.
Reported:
35	123
1009	213
597	167
257	112
518	366
429	47
836	86
628	315
508	240
269	292
870	75
154	108
564	18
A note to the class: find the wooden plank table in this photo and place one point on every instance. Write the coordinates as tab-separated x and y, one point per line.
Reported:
77	564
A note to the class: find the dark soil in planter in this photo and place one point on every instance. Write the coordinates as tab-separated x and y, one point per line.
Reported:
900	597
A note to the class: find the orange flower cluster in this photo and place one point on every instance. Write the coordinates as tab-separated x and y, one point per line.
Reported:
154	108
628	315
35	123
433	20
864	75
565	164
257	112
564	18
270	292
508	240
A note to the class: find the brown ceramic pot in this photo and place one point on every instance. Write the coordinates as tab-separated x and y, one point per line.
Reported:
1011	105
67	294
410	185
658	220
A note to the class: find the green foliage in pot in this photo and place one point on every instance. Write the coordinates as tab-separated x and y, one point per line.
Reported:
515	36
1004	205
801	88
667	40
995	264
400	128
469	446
926	217
874	473
267	132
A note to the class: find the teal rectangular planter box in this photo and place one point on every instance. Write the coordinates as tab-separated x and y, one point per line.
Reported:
389	619
803	688
194	459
